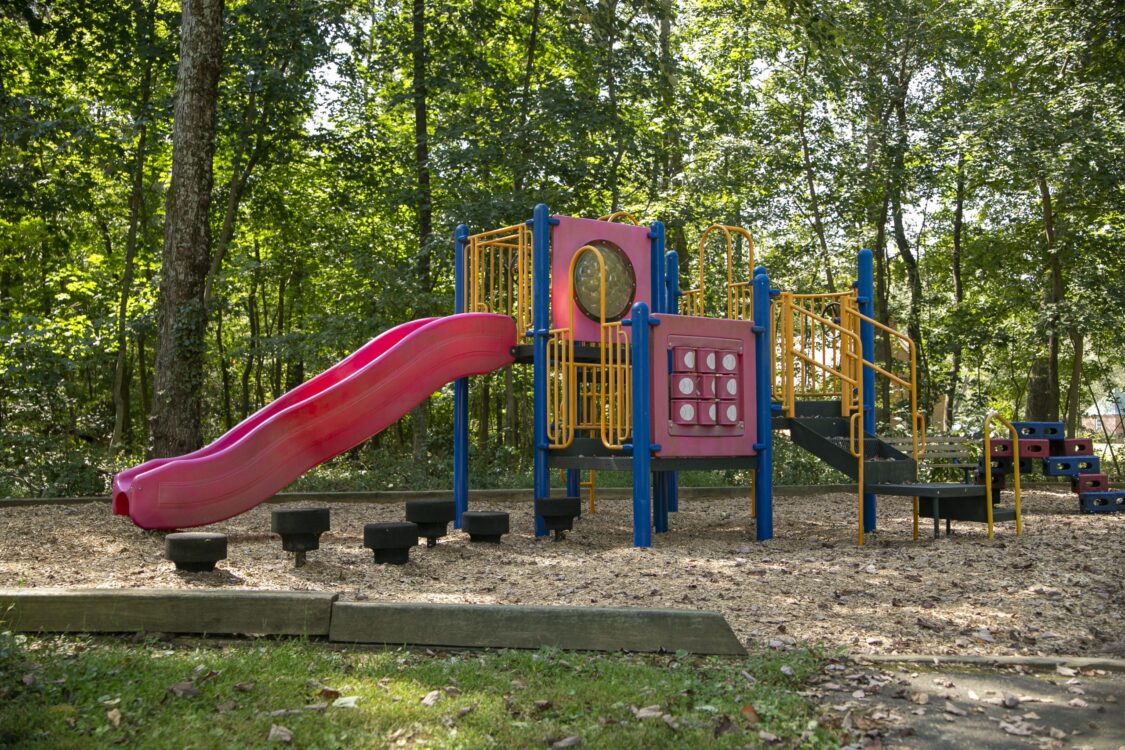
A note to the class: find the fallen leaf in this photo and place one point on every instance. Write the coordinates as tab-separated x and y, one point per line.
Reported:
348	702
648	712
950	708
184	690
750	714
431	698
787	670
920	698
329	694
1065	671
1077	703
114	717
280	734
244	687
28	679
670	721
572	741
1019	728
318	707
225	706
1009	701
542	705
723	724
464	711
765	736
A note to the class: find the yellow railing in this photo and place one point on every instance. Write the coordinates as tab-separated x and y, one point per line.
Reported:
817	349
1015	435
620	215
593	398
740	294
498	273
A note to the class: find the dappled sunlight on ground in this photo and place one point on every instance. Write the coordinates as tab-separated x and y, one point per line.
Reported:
1056	589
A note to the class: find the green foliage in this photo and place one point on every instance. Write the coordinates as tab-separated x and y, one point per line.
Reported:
692	113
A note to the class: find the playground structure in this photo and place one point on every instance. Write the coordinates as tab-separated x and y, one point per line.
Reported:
629	374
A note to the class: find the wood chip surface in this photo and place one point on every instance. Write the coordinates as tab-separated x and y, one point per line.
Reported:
1057	589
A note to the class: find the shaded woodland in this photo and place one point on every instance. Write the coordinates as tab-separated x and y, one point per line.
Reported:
976	147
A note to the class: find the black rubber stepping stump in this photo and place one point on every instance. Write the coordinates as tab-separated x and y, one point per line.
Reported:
391	542
485	525
432	516
558	513
195	551
300	529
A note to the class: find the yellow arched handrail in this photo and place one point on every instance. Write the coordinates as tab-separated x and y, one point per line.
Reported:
620	215
1015	435
740	303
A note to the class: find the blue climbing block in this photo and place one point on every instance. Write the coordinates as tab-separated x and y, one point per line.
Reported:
1071	466
1040	430
1000	466
1101	502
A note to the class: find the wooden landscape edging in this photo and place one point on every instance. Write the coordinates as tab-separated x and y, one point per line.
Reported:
395	624
526	626
388	497
166	611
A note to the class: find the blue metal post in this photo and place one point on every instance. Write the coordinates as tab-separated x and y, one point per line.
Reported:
642	446
763	379
865	288
460	389
658	296
573	483
672	305
541	324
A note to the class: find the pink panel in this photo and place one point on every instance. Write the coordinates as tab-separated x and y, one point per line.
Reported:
725	422
567	237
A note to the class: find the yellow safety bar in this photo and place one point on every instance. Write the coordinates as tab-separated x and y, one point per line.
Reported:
498	273
826	366
620	215
740	294
590	485
1015	435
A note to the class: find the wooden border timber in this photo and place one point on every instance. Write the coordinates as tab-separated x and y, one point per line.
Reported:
166	611
525	626
498	495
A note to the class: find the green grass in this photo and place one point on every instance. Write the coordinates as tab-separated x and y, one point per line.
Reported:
60	692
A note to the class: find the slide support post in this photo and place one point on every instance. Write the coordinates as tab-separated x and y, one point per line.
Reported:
642	446
763	380
460	388
541	325
865	297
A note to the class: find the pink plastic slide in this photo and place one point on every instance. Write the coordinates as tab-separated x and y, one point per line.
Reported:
319	419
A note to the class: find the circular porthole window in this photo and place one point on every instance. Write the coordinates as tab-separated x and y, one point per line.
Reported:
620	282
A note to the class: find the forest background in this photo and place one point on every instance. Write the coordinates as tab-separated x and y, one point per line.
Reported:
974	145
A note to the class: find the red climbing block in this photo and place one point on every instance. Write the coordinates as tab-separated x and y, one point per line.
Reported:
1090	483
1029	448
1078	447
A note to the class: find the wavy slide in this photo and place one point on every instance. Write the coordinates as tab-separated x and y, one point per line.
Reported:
338	409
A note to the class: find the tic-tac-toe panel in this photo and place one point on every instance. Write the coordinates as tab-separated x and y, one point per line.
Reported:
703	387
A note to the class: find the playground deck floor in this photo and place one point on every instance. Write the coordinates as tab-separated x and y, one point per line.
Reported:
1057	589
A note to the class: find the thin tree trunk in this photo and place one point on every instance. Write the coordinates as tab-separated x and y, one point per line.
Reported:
1077	340
224	369
913	276
810	180
143	378
485	413
424	197
122	427
958	286
520	159
177	414
1043	383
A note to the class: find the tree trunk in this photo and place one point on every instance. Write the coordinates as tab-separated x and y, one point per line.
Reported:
424	196
181	315
810	180
224	370
1043	383
1077	341
520	159
122	427
958	287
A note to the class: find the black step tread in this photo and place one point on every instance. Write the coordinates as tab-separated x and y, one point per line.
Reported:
929	489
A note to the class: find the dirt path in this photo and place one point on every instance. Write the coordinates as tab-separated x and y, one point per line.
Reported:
1055	590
